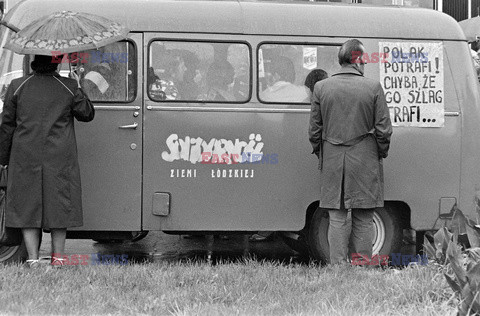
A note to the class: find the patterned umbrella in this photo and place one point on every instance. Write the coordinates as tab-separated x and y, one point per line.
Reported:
66	32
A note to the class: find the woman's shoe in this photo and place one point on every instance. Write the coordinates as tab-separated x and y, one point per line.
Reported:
33	263
57	262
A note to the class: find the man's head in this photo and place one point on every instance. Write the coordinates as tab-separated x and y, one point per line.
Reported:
351	53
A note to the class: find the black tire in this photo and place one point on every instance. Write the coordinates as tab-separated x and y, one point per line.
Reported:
139	236
13	254
388	233
317	236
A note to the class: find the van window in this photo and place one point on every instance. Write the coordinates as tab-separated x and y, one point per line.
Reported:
108	74
199	72
282	69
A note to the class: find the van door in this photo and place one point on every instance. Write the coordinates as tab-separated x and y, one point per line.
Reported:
110	147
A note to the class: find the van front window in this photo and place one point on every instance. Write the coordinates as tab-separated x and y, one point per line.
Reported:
108	74
199	72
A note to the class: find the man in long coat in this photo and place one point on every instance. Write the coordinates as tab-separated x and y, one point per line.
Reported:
350	132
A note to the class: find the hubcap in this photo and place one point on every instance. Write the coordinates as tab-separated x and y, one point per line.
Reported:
379	233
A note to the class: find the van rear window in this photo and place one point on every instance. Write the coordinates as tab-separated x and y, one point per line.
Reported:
199	72
283	69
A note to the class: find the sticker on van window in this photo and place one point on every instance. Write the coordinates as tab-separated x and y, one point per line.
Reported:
261	66
412	78
309	58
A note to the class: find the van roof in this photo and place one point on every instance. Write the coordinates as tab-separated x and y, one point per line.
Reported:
256	17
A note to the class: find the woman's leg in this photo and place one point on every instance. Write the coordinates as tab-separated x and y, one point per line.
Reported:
31	236
58	242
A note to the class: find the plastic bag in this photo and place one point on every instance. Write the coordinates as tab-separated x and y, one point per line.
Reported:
8	236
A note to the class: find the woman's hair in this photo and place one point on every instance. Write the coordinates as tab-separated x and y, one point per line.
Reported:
313	77
43	64
351	49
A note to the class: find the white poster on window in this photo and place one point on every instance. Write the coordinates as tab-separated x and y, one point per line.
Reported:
261	66
412	77
309	58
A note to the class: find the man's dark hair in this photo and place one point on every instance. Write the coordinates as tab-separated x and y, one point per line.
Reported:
43	64
220	74
284	67
315	76
350	51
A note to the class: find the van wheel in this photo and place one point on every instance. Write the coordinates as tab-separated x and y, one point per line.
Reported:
387	239
13	254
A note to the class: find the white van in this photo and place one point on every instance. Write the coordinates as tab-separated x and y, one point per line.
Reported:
154	157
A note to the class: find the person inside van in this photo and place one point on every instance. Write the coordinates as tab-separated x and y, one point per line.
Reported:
220	76
475	48
179	80
101	79
188	85
280	82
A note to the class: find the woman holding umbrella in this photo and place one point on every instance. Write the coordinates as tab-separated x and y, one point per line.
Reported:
37	142
37	136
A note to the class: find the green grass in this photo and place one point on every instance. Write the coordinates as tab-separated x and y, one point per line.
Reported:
245	288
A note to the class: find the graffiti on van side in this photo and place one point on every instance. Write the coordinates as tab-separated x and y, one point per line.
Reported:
413	81
196	149
214	173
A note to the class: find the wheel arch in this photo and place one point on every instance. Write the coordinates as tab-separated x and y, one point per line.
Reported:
403	211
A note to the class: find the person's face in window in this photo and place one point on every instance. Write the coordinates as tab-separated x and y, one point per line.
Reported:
179	71
198	77
271	78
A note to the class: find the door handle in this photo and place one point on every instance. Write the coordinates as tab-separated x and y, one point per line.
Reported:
132	126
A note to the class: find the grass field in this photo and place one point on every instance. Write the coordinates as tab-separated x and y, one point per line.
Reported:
240	288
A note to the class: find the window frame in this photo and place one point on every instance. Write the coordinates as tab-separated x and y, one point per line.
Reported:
193	40
284	43
134	76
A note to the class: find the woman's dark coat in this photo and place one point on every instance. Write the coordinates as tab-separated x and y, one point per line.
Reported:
37	142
